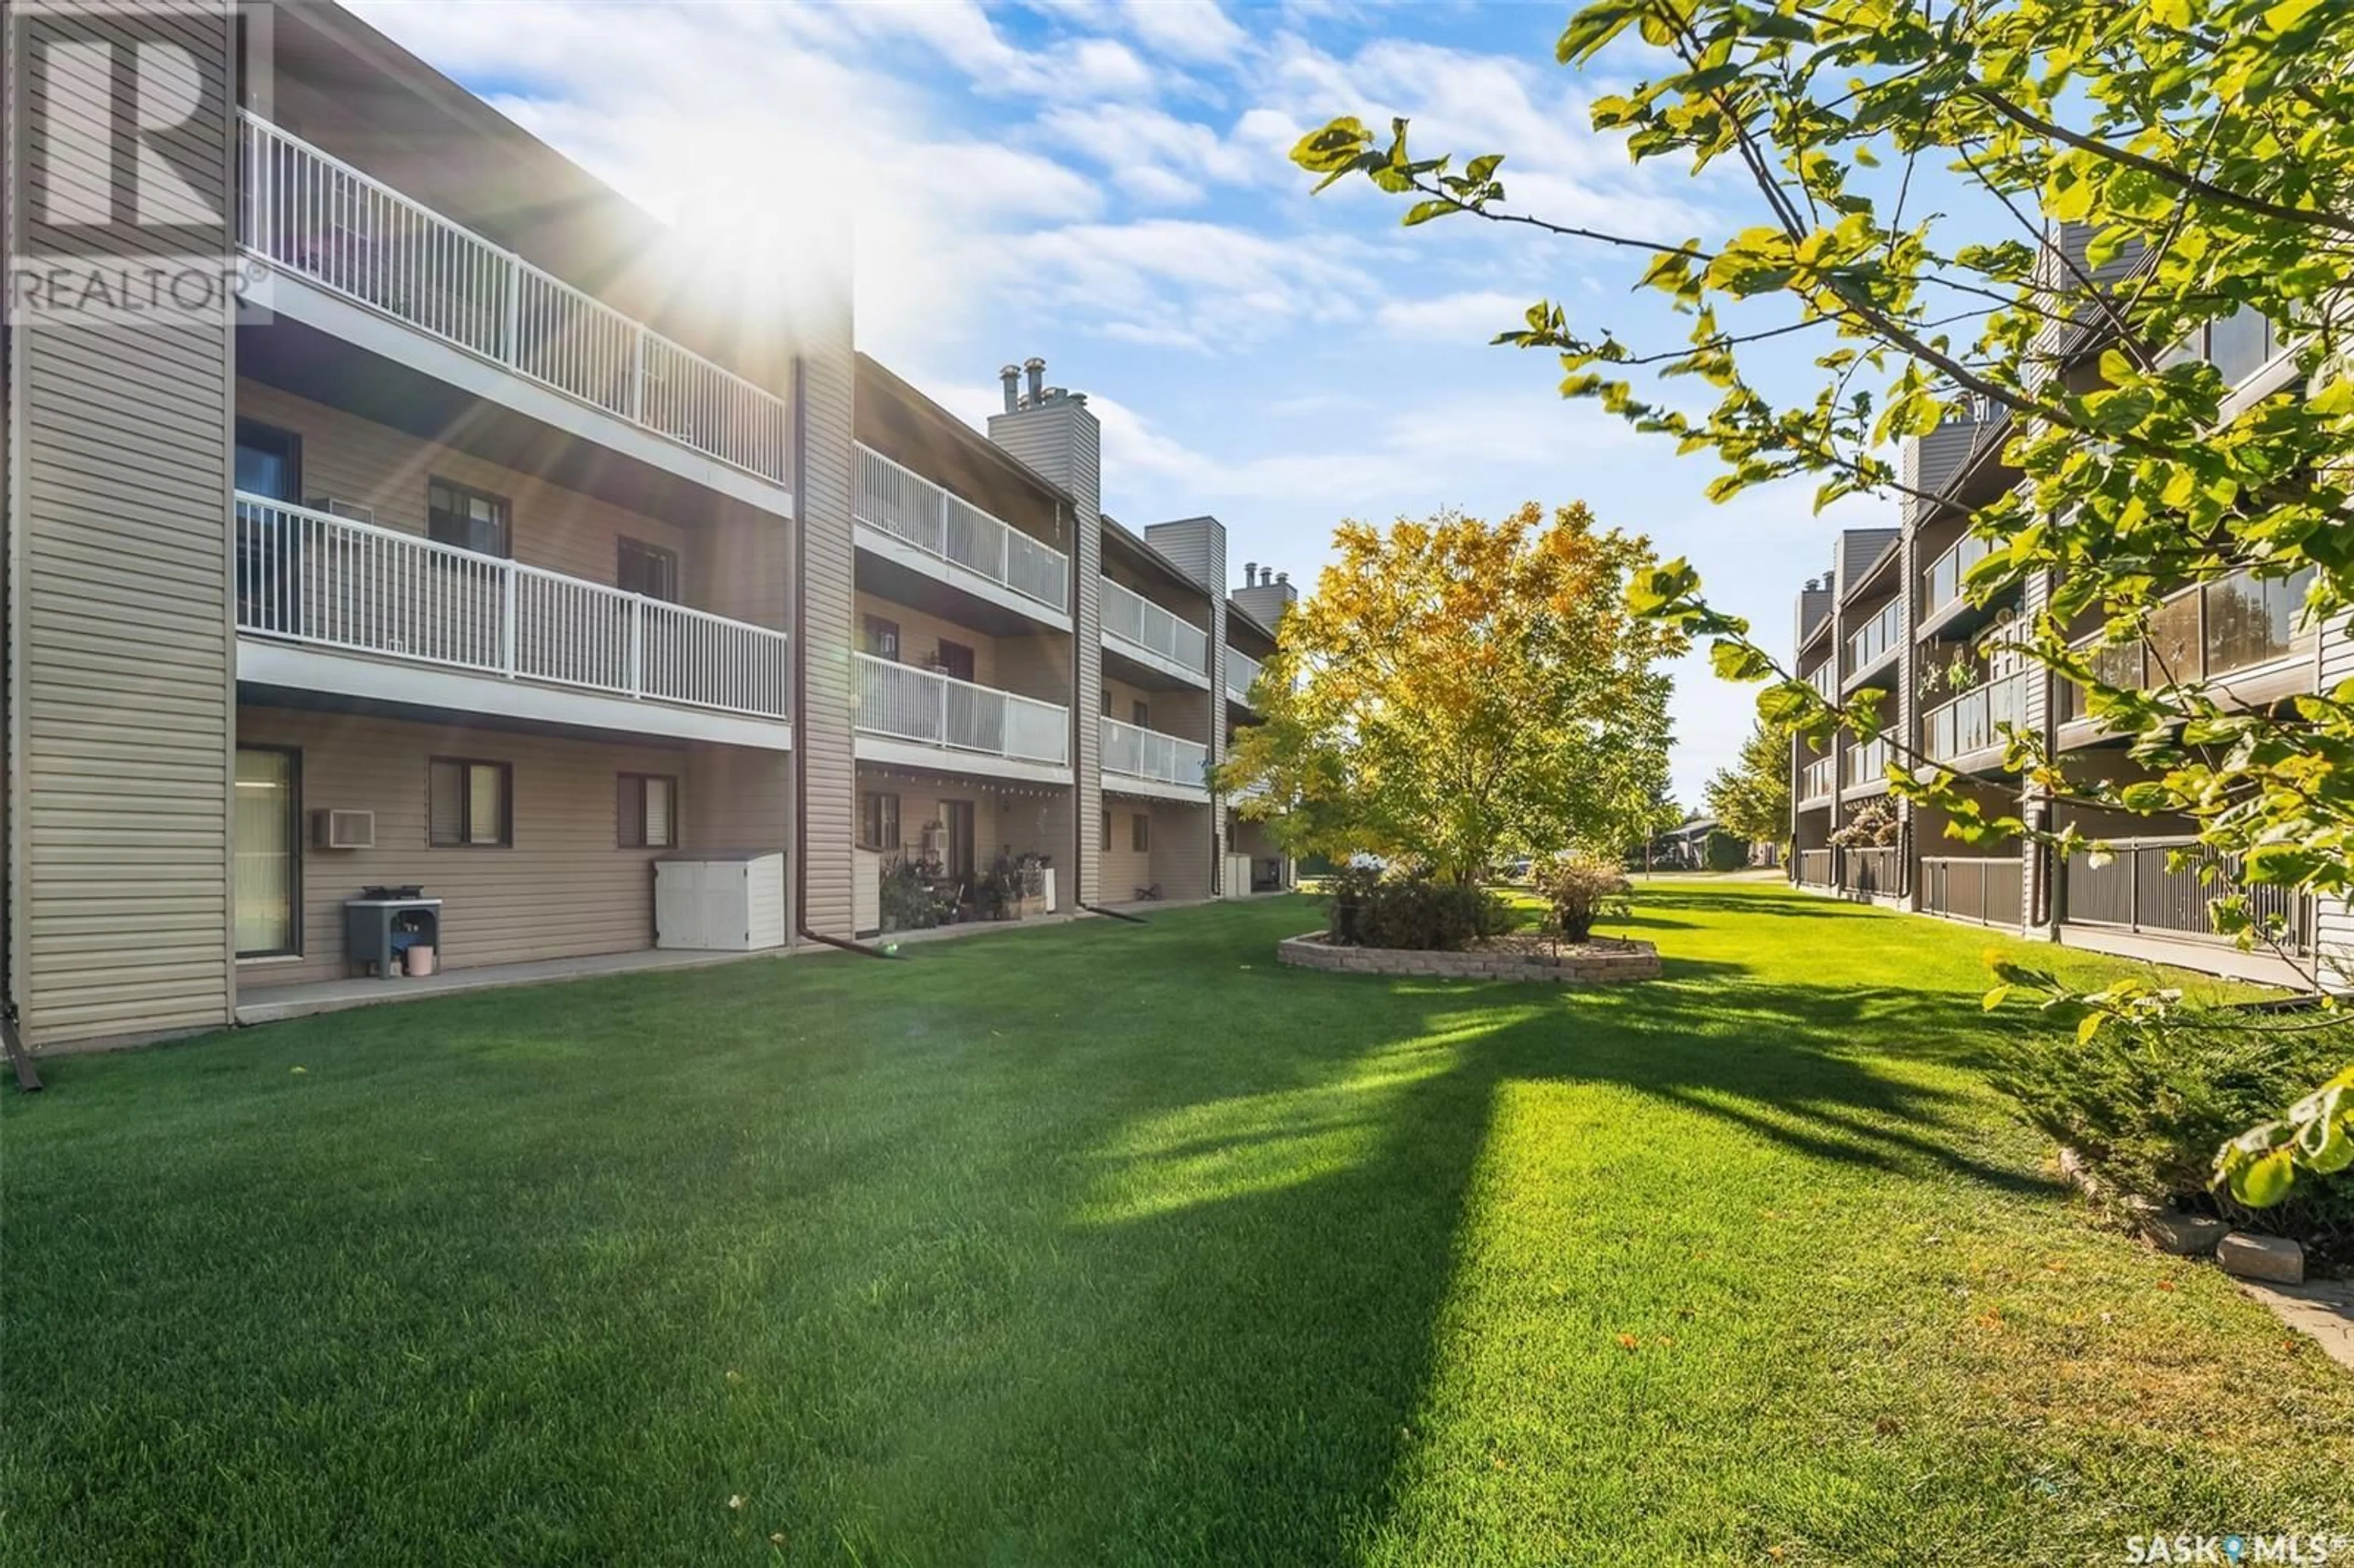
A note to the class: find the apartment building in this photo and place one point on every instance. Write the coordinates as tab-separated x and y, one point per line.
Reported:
1892	614
489	574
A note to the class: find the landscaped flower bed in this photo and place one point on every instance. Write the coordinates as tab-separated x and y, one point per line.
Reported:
1517	955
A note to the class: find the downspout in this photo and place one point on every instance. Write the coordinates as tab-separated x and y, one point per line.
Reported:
801	644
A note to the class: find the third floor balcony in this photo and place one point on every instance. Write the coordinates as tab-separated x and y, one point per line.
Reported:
959	543
320	221
1166	764
902	705
1143	630
1872	643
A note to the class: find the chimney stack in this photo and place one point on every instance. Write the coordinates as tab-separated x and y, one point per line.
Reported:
1250	574
1284	578
1009	378
1037	368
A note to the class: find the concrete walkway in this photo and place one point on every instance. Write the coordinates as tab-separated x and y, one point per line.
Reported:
2321	1309
269	1004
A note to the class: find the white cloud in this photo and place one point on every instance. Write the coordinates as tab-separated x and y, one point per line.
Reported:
1184	29
1182	282
1471	317
1153	155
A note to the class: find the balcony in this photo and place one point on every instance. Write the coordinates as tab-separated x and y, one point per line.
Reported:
1981	889
901	703
1137	626
1870	874
1814	868
1819	780
955	534
305	578
1133	752
2165	886
1972	721
1242	674
1942	579
1866	764
2216	631
314	217
1876	638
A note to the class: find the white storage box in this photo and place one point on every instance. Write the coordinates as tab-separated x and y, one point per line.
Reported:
720	900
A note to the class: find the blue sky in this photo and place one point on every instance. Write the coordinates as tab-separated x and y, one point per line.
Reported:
1105	184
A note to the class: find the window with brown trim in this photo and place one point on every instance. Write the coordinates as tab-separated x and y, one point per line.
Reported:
879	637
645	811
471	804
1107	829
1139	833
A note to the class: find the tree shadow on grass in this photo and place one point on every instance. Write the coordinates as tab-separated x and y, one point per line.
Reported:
1104	1245
1280	1340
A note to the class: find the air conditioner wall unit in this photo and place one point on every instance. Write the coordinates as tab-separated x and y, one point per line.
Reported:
343	830
335	508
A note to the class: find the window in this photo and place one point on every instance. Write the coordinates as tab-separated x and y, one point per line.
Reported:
471	519
1140	714
1106	701
1139	833
954	658
878	821
646	811
268	846
879	637
471	805
268	462
646	568
1106	830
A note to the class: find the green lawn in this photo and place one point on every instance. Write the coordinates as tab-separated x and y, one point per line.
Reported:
1101	1245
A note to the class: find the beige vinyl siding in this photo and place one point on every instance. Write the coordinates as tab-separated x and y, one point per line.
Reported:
822	734
1064	442
1199	545
358	462
119	678
920	636
564	889
1124	870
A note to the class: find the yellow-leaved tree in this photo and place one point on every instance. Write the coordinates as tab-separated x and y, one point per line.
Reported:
1461	691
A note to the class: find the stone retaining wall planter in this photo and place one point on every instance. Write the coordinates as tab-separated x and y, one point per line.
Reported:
1603	961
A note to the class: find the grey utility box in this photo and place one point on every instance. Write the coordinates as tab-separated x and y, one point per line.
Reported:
376	931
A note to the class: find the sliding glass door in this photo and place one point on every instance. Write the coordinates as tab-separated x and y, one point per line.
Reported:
268	850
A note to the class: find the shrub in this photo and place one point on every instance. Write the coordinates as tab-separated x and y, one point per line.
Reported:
1377	906
2147	1105
1578	890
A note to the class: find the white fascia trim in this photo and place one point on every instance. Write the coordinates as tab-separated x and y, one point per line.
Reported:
429	686
897	551
1155	789
888	752
1143	655
282	294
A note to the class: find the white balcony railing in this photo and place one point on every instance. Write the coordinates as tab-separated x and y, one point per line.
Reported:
912	509
314	216
1130	618
1866	763
1875	639
306	576
1942	579
1973	721
1242	673
904	702
1143	753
